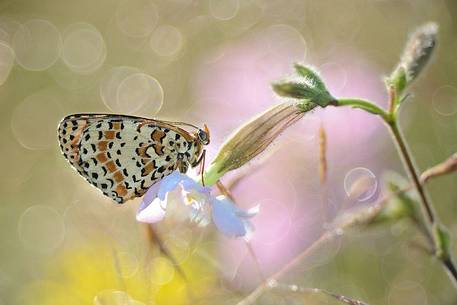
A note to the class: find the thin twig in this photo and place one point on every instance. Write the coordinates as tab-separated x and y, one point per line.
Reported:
326	236
256	260
299	289
410	168
272	280
154	238
431	220
226	192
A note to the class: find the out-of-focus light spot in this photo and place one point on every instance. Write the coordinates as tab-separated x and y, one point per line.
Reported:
270	231
70	80
4	36
166	40
127	264
137	18
6	61
407	292
179	248
224	9
162	271
337	71
283	39
445	100
179	240
248	14
34	120
37	44
306	130
8	28
138	91
360	184
109	88
41	229
84	49
114	297
324	255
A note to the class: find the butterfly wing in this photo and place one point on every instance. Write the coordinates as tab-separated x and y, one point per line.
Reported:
121	155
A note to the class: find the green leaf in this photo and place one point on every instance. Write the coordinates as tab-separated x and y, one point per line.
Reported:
398	80
442	241
295	90
306	85
312	75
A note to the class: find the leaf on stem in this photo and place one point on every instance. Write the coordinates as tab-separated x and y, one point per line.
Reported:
306	85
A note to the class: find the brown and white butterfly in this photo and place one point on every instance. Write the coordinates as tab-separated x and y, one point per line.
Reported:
124	155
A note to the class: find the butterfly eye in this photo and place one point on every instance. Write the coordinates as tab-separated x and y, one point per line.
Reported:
203	136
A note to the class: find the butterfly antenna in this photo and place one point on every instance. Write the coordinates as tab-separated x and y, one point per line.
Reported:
184	124
202	167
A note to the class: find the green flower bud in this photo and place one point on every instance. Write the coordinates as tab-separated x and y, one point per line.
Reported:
416	55
254	137
306	85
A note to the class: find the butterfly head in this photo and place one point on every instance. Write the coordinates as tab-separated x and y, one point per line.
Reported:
201	138
203	135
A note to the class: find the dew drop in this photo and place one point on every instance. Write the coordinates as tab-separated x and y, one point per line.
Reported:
445	100
360	184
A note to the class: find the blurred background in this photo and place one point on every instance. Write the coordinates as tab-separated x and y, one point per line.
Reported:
212	62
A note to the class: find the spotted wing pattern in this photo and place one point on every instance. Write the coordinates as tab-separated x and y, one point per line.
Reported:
122	155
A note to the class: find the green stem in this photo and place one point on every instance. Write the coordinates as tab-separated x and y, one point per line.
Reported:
410	168
212	174
365	105
441	248
440	245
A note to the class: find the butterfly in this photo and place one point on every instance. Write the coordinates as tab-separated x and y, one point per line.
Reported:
124	155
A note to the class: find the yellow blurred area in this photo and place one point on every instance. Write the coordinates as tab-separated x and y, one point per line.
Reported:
97	273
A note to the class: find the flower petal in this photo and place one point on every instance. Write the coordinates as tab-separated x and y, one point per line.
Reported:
150	195
248	213
169	183
189	184
153	212
226	219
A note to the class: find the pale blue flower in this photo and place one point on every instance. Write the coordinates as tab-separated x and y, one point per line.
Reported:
202	206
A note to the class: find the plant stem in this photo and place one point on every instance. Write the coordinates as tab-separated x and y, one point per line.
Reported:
365	105
272	280
430	218
410	168
432	225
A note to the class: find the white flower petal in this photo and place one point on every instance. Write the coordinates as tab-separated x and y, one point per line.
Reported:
169	183
153	212
248	213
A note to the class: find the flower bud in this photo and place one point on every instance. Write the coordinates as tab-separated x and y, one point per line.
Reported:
254	137
306	85
417	53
